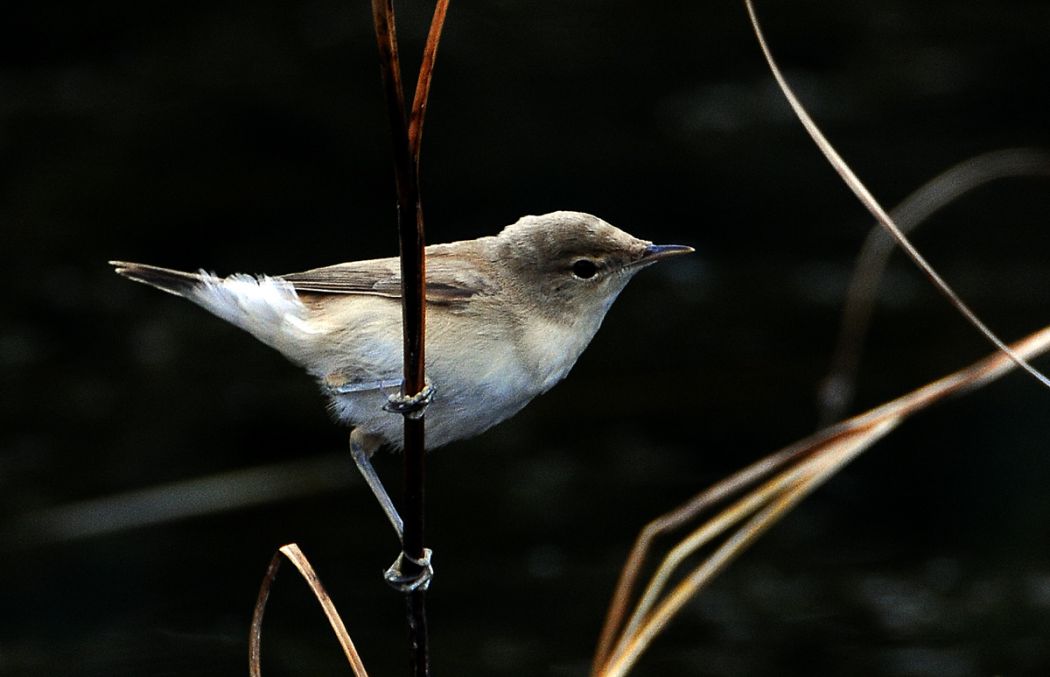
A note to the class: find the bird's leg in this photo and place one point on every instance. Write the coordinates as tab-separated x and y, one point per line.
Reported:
362	458
393	575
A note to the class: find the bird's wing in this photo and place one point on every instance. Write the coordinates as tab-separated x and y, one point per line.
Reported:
451	278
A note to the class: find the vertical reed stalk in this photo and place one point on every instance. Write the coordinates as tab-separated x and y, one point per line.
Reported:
407	136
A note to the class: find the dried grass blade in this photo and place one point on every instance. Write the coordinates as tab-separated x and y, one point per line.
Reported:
299	560
722	491
803	467
798	483
255	634
836	392
869	201
713	495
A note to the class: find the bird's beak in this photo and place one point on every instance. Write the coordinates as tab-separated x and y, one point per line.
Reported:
656	252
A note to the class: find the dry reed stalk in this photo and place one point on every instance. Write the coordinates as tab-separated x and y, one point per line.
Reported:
793	473
298	559
836	390
873	206
407	132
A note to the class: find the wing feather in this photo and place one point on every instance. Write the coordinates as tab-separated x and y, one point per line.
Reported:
452	277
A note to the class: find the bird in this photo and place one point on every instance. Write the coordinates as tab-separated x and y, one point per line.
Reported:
507	318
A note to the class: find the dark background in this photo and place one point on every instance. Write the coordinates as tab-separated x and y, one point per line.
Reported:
251	137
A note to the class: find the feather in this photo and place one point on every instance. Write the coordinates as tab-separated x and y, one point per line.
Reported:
452	277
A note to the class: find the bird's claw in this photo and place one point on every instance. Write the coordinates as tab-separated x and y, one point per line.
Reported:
420	580
411	406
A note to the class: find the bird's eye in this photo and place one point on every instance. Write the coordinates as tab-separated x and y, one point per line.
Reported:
584	268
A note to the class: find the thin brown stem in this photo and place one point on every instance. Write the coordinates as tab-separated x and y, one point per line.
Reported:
306	570
410	228
799	468
876	210
407	138
722	491
836	392
426	74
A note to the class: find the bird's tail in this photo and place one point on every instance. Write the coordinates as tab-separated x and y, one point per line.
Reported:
172	281
266	307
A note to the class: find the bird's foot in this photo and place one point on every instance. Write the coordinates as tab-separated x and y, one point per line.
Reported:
418	580
411	406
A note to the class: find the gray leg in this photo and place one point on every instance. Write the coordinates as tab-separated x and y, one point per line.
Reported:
364	464
359	449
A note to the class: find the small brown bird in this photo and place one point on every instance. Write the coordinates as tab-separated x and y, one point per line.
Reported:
507	317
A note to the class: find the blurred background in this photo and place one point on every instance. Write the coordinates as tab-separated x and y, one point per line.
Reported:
153	458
